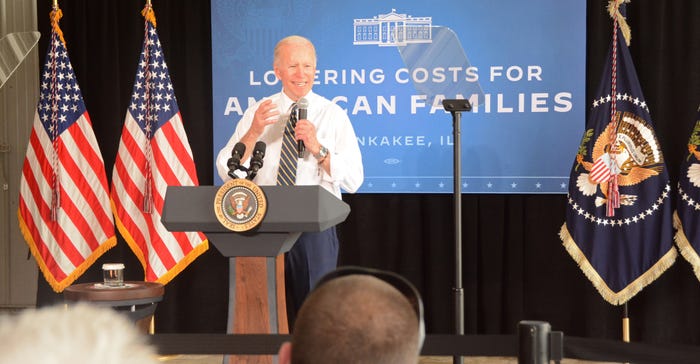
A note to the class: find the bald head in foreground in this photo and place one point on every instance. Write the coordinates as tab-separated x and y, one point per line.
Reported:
355	319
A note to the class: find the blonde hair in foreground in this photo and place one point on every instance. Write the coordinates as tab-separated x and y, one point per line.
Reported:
76	334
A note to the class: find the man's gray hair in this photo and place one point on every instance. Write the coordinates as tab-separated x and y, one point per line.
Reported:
80	333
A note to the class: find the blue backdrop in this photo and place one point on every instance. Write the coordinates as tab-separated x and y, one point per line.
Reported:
521	63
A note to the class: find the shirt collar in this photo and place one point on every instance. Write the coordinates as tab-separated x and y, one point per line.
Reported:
285	103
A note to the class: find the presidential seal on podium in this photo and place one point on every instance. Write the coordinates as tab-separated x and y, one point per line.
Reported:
240	205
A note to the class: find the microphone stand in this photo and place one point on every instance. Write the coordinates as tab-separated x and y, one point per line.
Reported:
455	107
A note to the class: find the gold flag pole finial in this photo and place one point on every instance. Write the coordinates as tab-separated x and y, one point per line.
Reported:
148	13
55	16
614	11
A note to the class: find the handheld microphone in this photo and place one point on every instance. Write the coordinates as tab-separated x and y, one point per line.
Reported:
303	105
256	161
235	161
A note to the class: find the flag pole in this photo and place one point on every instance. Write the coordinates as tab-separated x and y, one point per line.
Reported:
618	21
625	324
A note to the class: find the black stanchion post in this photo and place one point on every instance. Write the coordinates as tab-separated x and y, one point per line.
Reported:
533	342
556	346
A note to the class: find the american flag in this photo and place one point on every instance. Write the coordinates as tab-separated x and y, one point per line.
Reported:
619	228
688	202
64	211
153	153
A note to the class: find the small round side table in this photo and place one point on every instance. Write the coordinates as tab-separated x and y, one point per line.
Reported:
138	300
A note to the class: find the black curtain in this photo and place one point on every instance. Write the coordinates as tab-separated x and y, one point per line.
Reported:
515	267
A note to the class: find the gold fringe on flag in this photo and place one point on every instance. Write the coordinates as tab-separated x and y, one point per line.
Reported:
56	15
148	13
612	297
684	246
56	285
614	11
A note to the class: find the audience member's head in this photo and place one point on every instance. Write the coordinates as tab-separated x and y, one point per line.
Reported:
358	315
75	334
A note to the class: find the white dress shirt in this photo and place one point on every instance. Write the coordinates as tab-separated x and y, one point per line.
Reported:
333	130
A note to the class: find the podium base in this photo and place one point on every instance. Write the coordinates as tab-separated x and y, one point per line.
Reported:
257	303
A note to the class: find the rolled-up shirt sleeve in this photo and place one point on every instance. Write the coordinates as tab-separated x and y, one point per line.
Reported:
347	171
335	132
225	152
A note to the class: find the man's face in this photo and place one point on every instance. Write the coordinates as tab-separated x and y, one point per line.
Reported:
296	68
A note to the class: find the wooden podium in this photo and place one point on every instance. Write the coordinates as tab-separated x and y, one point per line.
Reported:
256	265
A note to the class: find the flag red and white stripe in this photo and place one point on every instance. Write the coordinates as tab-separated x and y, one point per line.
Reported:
601	169
153	153
64	211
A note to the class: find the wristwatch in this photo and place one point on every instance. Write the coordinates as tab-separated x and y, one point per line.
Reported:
322	153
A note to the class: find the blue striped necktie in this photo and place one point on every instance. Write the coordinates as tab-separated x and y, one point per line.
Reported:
287	172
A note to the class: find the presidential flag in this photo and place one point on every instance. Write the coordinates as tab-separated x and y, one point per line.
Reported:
619	215
688	202
153	154
64	211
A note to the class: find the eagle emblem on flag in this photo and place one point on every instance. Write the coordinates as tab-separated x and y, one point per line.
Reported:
634	157
693	172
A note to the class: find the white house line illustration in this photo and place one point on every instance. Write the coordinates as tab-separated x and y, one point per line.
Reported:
392	29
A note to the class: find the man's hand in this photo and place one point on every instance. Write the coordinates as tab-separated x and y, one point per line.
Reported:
306	132
265	115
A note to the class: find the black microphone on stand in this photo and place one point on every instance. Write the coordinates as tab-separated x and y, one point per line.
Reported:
303	105
256	161
235	161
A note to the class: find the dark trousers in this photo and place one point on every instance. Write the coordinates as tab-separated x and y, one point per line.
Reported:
312	256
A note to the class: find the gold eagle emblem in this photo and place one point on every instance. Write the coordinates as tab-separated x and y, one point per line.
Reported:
634	157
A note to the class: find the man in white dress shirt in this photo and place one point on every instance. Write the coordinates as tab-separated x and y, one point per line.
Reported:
331	159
